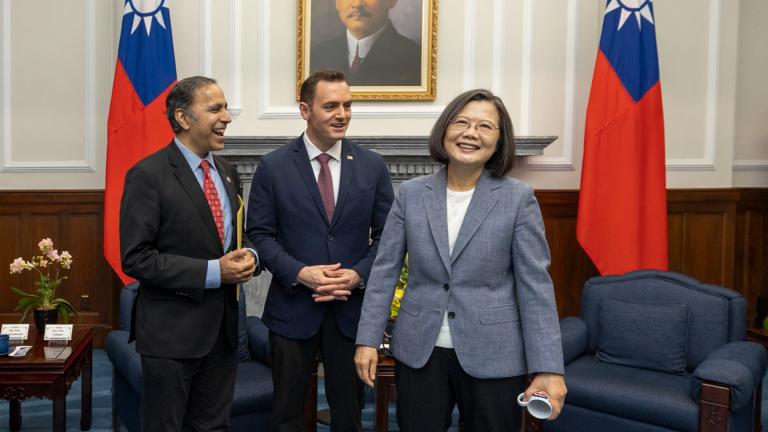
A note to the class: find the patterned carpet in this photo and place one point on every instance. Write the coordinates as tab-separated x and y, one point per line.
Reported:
36	414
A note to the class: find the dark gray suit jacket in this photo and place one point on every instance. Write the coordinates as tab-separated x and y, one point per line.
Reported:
495	283
167	236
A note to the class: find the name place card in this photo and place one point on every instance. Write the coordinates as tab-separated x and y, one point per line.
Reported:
16	331
58	332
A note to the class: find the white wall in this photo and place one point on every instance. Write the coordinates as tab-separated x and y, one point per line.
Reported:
57	60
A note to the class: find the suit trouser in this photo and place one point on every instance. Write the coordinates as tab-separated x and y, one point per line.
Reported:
189	394
426	397
294	360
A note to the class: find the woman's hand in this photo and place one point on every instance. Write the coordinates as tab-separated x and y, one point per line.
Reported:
553	385
366	359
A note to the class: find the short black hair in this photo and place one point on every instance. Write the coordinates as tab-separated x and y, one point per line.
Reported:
307	90
503	158
181	97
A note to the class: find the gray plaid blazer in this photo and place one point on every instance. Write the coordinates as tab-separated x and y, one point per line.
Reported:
495	284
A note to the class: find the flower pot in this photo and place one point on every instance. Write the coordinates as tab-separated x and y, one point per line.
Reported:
45	316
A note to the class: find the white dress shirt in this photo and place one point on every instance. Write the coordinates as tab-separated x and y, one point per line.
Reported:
365	44
334	163
457	204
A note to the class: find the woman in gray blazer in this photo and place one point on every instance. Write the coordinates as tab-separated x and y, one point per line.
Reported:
479	313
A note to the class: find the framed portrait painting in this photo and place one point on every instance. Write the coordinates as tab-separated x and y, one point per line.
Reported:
386	48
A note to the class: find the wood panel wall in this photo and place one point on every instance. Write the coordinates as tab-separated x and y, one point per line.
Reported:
718	236
73	220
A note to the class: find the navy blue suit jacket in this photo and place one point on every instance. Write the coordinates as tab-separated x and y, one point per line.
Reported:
287	224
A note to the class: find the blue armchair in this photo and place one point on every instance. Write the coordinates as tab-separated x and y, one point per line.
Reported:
659	351
252	403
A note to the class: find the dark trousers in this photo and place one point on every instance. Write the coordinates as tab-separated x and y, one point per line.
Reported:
189	394
294	360
426	397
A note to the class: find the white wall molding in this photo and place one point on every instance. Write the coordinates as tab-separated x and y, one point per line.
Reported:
750	165
499	46
88	164
206	33
564	162
526	64
707	162
470	45
362	110
690	164
5	82
235	57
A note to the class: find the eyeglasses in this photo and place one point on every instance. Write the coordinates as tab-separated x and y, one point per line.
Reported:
483	127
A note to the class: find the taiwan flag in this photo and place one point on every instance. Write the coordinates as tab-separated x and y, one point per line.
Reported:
622	219
145	72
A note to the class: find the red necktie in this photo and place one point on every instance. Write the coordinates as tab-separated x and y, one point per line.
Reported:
356	63
325	184
209	189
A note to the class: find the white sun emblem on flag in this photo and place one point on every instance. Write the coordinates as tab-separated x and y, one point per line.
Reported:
145	10
639	8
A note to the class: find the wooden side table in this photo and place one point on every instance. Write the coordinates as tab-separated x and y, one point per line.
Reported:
385	391
38	376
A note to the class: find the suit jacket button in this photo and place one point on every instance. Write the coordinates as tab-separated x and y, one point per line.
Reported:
451	315
445	286
330	237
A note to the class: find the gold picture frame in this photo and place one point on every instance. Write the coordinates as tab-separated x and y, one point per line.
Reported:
408	37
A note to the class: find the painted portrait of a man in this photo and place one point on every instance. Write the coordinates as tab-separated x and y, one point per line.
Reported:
373	42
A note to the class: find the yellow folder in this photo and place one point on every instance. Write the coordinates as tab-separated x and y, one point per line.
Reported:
239	231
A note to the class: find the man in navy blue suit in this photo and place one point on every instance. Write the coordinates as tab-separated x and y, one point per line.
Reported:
316	211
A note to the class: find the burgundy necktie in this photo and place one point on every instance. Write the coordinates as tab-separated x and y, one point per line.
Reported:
325	184
209	189
356	63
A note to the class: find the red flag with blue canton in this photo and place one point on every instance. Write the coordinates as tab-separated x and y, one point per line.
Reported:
622	219
137	126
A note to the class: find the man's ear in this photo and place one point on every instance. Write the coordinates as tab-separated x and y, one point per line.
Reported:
304	109
182	118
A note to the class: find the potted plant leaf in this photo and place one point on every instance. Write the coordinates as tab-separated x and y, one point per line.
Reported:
49	266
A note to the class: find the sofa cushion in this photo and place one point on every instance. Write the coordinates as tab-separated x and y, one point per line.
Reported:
253	388
124	358
127	297
643	335
717	315
258	340
643	395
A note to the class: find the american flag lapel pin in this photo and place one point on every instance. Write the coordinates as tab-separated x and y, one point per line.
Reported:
350	157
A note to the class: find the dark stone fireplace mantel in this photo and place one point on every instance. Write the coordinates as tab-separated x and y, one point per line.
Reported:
406	156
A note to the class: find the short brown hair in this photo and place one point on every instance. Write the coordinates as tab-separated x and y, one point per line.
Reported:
503	157
307	90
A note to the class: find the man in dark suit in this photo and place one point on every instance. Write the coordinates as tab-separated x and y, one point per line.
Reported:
177	235
316	211
371	52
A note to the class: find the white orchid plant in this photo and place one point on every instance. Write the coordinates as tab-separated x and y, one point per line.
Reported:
49	265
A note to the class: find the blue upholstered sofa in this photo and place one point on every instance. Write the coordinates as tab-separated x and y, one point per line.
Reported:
252	403
659	351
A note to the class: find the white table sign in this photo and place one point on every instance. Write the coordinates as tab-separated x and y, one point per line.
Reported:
58	332
16	331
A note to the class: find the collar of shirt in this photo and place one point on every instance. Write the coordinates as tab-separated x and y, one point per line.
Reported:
365	44
313	151
192	158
